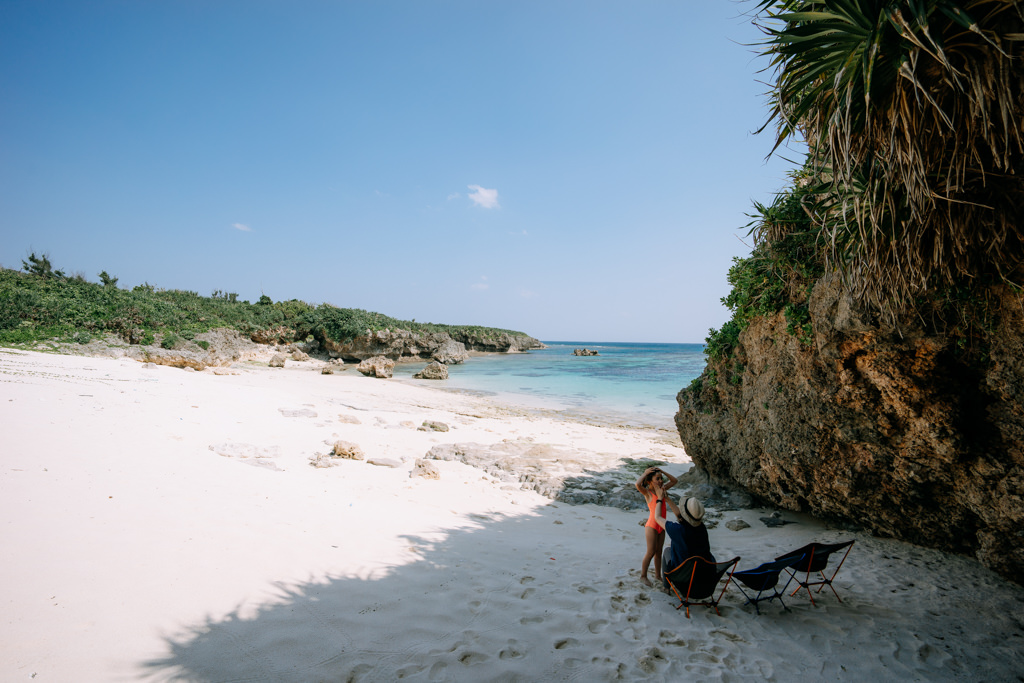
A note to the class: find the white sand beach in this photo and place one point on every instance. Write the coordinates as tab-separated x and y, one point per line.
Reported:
167	525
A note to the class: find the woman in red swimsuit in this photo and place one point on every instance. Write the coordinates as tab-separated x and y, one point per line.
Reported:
654	532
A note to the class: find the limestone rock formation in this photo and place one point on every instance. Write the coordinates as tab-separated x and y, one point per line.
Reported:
439	346
450	352
425	469
433	426
434	370
347	450
585	352
883	427
277	361
378	366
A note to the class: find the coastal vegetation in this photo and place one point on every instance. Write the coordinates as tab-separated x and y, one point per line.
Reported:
912	186
43	303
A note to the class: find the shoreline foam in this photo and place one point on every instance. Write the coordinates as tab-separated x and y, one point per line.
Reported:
135	551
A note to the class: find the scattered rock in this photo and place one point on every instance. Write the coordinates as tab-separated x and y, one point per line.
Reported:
432	426
349	419
300	412
277	361
585	352
434	370
378	366
425	469
348	451
249	454
384	462
327	370
322	460
736	524
775	520
299	355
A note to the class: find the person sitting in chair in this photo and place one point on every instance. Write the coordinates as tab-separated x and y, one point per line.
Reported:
688	534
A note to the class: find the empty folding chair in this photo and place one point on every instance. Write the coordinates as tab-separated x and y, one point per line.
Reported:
763	579
813	558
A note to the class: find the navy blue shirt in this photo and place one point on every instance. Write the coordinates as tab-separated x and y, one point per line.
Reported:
687	541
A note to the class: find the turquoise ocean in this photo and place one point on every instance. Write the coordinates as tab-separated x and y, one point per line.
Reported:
628	383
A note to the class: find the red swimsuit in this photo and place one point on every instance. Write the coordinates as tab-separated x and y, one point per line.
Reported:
652	500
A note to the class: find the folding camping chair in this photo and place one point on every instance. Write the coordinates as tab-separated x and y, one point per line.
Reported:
695	580
765	578
814	558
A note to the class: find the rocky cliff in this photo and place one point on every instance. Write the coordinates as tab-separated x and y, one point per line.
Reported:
885	427
439	346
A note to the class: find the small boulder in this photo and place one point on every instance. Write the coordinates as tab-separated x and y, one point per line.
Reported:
736	524
378	366
434	370
322	460
277	361
348	451
585	352
432	426
450	352
424	468
327	370
299	355
384	462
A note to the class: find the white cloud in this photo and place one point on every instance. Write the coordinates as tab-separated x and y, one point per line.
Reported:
454	195
480	285
483	197
241	226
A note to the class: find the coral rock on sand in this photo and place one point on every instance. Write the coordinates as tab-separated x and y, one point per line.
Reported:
378	366
433	426
384	462
299	355
327	370
427	470
348	450
434	370
277	361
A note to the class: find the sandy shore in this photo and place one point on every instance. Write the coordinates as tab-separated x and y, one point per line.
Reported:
164	525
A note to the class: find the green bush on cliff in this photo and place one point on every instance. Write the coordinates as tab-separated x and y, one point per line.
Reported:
776	271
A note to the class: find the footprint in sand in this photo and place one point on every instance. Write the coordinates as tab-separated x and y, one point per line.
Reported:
653	661
597	626
642	599
410	670
525	621
527	579
669	638
527	593
566	642
471	658
586	589
618	603
512	651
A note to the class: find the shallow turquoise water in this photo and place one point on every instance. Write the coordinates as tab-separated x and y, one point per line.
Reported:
634	383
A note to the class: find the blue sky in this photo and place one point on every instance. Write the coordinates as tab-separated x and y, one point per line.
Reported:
577	170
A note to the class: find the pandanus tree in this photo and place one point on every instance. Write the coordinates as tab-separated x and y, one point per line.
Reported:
913	114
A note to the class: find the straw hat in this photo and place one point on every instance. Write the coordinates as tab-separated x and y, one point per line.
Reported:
693	511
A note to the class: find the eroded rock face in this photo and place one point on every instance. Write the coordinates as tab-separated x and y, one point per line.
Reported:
378	366
884	428
434	370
